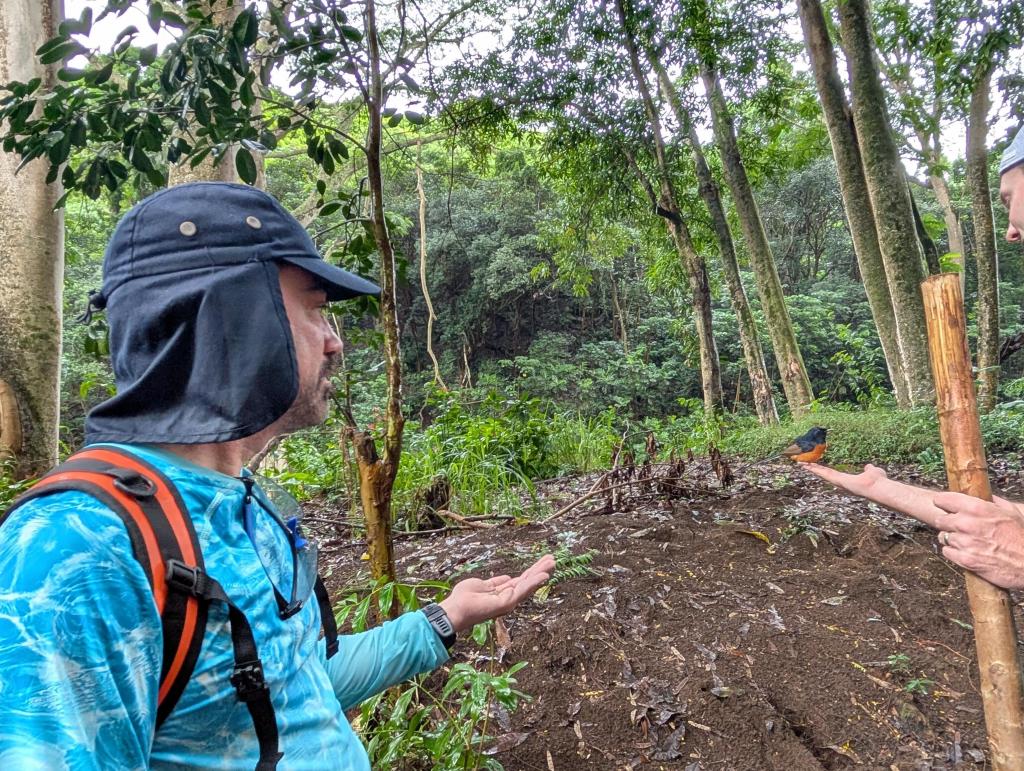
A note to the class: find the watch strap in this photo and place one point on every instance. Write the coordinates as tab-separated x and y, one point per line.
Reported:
441	624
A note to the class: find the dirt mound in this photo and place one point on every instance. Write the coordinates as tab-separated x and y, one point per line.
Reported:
773	625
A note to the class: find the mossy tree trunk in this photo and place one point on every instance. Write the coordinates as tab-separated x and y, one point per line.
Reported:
31	262
795	382
666	205
753	355
984	242
890	198
854	189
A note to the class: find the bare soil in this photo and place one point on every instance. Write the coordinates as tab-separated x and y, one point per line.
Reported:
772	624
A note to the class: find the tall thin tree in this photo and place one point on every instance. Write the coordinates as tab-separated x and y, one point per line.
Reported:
795	382
890	197
854	189
667	205
31	261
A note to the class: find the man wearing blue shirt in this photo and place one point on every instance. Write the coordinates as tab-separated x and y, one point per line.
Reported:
215	298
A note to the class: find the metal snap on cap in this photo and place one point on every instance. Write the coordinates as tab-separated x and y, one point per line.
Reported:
253	222
187	228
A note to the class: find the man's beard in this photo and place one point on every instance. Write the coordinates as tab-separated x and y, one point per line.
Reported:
312	403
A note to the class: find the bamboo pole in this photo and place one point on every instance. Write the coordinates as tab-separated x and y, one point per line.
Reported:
967	472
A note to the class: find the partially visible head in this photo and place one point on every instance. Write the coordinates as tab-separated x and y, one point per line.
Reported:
1011	186
214	297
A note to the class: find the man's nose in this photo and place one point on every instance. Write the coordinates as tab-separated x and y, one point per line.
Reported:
1013	234
332	343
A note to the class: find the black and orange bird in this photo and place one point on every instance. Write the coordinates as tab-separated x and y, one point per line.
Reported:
808	448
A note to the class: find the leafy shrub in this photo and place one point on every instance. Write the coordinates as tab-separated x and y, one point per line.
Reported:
425	723
580	444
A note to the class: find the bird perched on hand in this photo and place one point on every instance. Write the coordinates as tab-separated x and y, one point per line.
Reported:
808	448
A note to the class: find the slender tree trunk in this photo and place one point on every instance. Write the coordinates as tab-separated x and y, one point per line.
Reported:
31	262
753	355
377	472
953	228
666	205
890	198
928	245
619	315
795	381
984	243
224	13
423	269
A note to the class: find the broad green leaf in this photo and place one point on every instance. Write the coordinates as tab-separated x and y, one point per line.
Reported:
245	165
147	55
62	51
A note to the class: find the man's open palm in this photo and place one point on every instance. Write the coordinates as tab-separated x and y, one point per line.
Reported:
474	599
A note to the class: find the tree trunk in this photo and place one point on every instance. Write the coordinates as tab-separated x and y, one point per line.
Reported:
620	317
224	13
31	262
890	199
795	382
753	355
666	205
984	243
377	473
928	245
423	269
956	233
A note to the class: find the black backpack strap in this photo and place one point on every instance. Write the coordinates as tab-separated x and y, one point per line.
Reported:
327	619
247	678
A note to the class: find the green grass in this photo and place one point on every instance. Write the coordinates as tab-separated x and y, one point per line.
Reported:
875	435
854	436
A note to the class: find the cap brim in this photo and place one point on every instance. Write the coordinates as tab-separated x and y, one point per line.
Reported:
338	283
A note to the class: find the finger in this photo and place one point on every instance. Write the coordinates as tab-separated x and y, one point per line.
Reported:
965	558
524	587
960	522
545	563
955	502
498	581
838	478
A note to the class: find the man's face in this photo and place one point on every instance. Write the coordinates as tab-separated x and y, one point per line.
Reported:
1011	190
316	347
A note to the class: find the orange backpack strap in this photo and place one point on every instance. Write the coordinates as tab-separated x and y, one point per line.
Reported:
162	535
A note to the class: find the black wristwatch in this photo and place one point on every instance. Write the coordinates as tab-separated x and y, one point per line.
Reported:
442	624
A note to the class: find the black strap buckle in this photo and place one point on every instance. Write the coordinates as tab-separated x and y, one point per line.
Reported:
133	483
248	681
186	578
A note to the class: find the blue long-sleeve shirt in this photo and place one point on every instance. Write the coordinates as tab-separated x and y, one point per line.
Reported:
81	644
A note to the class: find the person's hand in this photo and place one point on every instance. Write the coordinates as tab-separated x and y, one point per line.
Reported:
985	538
474	600
860	484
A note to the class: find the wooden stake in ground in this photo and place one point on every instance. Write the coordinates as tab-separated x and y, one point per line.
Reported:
967	472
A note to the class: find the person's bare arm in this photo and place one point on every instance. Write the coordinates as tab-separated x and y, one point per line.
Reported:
984	537
873	484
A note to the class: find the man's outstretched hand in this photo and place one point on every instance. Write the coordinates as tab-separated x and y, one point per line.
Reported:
474	599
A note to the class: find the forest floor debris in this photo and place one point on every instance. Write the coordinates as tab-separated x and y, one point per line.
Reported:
776	624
